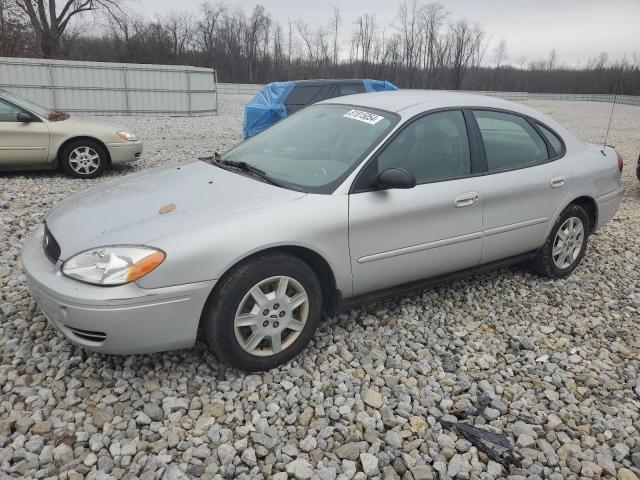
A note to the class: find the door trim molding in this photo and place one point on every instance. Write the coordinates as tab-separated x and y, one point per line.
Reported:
23	148
421	247
515	226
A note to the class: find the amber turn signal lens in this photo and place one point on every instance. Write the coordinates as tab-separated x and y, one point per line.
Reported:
144	266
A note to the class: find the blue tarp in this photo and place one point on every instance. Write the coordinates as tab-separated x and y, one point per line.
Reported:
268	107
377	85
265	108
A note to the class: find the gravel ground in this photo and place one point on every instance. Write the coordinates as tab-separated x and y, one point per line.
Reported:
559	361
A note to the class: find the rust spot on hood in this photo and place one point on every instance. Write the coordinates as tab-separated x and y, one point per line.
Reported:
169	207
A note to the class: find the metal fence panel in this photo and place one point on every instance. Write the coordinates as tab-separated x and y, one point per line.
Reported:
252	89
112	88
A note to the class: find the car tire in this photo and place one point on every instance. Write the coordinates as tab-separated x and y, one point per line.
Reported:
565	246
84	159
240	324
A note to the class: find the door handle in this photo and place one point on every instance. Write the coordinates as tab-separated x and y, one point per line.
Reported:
466	199
557	182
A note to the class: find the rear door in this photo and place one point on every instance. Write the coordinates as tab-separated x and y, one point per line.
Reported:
524	185
21	143
399	236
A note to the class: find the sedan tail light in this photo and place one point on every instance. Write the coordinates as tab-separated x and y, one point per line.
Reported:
620	161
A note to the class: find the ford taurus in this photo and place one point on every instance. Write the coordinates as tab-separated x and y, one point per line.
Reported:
33	137
348	200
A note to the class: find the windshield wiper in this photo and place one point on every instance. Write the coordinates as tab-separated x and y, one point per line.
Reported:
216	159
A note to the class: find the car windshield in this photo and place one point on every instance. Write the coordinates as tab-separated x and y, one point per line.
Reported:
26	104
315	149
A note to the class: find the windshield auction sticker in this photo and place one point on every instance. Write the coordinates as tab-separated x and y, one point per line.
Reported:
366	117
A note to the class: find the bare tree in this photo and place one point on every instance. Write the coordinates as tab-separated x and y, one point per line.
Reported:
499	54
181	29
552	62
50	22
366	30
14	32
409	27
432	17
208	31
334	23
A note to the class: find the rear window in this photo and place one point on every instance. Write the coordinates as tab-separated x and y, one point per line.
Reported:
350	89
301	95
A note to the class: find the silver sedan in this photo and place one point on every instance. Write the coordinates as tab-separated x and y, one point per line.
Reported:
349	200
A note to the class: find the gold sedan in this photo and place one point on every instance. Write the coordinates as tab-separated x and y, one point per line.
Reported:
34	137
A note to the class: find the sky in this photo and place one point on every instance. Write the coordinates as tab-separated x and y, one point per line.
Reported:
577	29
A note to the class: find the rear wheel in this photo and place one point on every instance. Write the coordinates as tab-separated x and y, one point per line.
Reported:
83	159
566	244
263	313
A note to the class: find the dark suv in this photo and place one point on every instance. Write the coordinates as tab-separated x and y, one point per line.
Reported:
278	99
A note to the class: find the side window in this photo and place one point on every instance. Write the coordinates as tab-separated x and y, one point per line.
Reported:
350	89
434	147
509	141
301	95
8	113
552	138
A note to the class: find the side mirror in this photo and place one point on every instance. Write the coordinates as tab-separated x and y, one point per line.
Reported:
395	178
24	117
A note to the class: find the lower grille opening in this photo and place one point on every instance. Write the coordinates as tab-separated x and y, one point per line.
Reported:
88	335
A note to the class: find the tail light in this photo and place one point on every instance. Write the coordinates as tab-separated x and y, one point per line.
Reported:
620	161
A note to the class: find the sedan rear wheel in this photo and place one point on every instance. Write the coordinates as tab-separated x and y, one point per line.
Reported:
83	159
263	312
566	244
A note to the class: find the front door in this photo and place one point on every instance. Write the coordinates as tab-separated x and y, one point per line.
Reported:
21	143
399	236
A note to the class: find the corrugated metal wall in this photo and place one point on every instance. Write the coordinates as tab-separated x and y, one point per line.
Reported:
112	88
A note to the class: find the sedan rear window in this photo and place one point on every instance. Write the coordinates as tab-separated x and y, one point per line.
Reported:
316	148
509	140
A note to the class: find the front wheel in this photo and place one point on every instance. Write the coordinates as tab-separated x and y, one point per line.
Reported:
83	159
566	244
263	313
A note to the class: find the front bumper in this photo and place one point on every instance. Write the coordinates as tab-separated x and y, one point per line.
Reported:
125	319
122	152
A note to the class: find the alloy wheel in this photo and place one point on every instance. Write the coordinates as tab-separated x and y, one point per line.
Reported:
568	243
84	160
271	316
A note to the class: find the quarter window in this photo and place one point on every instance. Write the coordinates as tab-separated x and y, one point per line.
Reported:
552	138
433	148
509	141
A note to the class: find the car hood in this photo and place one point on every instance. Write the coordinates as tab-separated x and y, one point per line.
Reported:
128	210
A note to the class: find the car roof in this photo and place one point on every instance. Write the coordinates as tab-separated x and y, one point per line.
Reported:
322	82
398	100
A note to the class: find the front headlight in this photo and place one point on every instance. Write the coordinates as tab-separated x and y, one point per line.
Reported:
126	135
113	265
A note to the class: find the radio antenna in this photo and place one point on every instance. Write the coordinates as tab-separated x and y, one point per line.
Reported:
606	136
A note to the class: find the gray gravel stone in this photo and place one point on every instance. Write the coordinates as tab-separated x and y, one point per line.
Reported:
369	464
